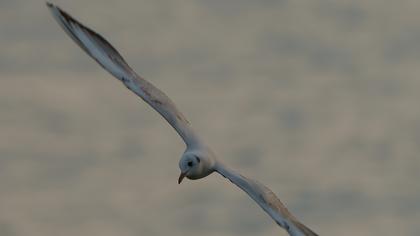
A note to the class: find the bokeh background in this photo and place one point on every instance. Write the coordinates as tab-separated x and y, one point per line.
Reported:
318	99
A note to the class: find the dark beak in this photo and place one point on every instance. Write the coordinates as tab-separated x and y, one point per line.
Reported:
181	177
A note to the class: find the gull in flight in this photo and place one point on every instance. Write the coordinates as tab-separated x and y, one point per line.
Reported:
198	160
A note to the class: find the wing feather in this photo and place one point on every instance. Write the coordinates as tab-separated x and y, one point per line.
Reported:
110	59
268	201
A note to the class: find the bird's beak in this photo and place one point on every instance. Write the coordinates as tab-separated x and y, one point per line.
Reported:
181	177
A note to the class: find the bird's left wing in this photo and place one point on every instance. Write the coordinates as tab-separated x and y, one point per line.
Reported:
267	200
109	58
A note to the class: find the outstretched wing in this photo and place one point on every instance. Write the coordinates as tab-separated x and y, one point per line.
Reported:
268	201
109	58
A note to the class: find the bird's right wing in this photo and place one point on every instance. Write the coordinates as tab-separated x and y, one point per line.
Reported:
109	58
268	201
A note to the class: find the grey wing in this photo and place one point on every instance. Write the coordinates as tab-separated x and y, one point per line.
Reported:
268	201
109	58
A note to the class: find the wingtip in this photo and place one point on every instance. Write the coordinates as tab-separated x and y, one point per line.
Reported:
52	6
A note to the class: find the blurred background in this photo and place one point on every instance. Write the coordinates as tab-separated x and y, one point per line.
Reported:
317	99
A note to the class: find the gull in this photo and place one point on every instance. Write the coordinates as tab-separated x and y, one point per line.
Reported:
198	160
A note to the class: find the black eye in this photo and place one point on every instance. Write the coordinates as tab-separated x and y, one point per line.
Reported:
189	163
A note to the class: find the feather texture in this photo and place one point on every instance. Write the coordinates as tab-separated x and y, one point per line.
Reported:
110	59
267	200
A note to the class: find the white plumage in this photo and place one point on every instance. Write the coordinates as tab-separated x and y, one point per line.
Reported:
198	160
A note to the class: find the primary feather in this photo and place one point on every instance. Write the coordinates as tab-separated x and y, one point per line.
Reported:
267	200
111	60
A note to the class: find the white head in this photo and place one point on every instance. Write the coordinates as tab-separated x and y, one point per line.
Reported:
196	164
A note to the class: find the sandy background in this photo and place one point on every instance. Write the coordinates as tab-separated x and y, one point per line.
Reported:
317	99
